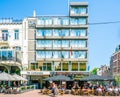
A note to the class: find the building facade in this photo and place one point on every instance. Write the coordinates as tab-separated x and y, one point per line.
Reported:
57	44
49	45
10	45
104	70
115	61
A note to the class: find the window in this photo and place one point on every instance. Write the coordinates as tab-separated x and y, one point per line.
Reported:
4	35
57	54
82	66
57	21
41	21
65	43
48	54
65	21
65	32
47	32
82	54
48	21
65	66
57	43
40	54
74	66
57	32
65	54
16	34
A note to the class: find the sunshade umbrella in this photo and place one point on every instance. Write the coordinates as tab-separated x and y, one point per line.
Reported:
96	78
19	78
6	77
58	78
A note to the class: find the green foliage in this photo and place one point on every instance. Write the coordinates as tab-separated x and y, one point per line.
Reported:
117	79
94	71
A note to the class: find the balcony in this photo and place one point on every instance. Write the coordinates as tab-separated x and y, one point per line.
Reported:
61	26
63	48
62	60
78	15
59	37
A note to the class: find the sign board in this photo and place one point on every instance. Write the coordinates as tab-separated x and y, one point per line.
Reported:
35	72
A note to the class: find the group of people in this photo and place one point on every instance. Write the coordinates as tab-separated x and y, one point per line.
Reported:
86	89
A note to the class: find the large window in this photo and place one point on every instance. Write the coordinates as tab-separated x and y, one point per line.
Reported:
6	55
57	66
41	21
65	43
57	21
65	66
78	32
82	66
40	32
65	32
78	10
82	54
57	43
65	54
44	43
57	32
56	54
48	21
16	34
48	54
40	54
4	35
74	66
78	21
47	32
65	21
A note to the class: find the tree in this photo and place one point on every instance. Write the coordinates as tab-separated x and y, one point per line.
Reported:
117	78
94	71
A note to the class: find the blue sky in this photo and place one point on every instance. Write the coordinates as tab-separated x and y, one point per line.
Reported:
102	38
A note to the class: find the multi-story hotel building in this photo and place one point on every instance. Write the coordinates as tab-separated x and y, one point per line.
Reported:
115	61
51	44
57	44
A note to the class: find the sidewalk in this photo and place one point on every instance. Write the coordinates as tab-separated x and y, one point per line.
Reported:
35	93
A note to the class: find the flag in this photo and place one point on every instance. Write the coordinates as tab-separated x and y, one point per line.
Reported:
71	54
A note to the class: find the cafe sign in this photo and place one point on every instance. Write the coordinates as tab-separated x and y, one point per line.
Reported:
34	73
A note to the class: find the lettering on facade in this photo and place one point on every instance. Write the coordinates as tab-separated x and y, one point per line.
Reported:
34	73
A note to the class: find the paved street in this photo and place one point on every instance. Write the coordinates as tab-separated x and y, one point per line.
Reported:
36	93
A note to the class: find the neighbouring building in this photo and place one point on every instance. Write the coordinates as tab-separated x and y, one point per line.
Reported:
115	61
104	70
10	45
51	45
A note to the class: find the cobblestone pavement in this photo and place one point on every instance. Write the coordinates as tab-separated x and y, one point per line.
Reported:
36	93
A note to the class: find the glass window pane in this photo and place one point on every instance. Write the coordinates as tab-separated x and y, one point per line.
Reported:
82	66
4	55
65	43
57	43
48	54
57	66
65	54
74	66
82	54
57	21
65	32
41	21
49	66
65	66
65	21
57	32
57	54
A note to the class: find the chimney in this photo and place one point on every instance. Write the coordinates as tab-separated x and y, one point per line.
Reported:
34	13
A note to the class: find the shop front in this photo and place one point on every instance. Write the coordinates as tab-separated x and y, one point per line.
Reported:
36	77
